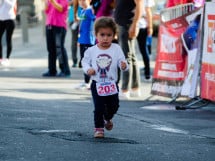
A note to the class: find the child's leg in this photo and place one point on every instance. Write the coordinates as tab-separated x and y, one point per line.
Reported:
112	105
98	107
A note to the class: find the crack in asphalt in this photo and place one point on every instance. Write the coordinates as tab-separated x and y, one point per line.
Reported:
78	136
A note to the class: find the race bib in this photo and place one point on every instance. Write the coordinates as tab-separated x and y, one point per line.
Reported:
106	88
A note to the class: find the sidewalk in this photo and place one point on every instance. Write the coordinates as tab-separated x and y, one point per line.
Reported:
32	57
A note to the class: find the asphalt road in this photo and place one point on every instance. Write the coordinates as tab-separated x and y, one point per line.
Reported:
47	119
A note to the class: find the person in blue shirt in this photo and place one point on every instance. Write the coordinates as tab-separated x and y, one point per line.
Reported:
86	36
74	27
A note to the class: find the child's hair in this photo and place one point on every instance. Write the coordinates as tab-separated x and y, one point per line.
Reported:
105	22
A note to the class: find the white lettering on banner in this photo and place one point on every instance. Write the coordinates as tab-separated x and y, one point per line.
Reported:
210	77
170	74
176	25
168	66
168	44
164	88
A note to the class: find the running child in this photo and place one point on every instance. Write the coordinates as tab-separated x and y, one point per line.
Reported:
101	63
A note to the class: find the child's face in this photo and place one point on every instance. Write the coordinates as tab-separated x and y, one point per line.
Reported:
104	37
84	3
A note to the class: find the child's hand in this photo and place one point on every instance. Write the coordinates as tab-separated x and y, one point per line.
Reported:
91	71
123	65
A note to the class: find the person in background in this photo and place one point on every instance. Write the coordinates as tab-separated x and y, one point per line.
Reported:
86	36
127	15
146	29
101	63
7	25
95	4
106	8
56	26
74	27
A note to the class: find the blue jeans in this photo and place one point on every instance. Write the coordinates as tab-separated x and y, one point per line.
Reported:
130	78
55	39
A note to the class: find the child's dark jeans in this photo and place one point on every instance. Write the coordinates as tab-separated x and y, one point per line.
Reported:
105	106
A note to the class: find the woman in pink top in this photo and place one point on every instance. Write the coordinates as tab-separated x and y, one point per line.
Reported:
56	17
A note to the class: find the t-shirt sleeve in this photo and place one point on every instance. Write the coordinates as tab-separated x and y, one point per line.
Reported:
90	14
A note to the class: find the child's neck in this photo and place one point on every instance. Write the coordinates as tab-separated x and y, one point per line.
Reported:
103	48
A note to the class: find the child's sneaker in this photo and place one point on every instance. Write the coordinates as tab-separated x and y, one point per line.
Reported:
108	125
99	133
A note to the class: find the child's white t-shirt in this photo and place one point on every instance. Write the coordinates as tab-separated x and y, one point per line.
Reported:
104	62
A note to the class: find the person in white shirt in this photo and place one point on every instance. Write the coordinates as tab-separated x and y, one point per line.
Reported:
146	30
7	25
101	63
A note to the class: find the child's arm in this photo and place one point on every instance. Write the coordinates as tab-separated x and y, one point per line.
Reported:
123	65
122	62
86	63
91	72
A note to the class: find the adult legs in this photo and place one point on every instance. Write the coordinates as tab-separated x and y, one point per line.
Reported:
74	45
60	34
141	39
132	76
2	29
10	26
50	41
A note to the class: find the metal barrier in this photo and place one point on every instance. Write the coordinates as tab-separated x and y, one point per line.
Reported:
170	14
176	11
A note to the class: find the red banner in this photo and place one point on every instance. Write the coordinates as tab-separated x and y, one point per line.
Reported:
207	87
171	61
176	73
208	81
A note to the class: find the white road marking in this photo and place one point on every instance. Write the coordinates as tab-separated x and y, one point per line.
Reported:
169	129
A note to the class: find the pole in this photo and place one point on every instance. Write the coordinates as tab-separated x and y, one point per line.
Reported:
24	25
